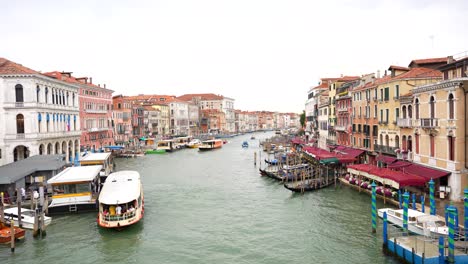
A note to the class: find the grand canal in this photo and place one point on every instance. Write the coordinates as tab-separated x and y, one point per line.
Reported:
214	207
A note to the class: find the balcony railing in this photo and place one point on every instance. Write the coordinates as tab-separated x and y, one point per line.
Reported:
429	122
340	128
97	129
385	149
40	105
343	109
44	135
404	122
96	111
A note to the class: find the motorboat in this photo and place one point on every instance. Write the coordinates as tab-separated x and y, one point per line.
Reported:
5	233
27	217
211	144
121	201
245	144
194	143
418	222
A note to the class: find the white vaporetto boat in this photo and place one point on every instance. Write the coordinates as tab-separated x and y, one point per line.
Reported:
27	217
418	222
121	200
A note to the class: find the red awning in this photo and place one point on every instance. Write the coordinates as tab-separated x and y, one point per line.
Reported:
403	179
298	141
386	159
399	164
426	172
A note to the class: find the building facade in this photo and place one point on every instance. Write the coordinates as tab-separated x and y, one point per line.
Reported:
39	114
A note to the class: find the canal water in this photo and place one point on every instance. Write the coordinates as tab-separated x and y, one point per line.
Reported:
214	207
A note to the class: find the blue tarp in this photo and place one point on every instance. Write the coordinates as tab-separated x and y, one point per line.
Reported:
115	147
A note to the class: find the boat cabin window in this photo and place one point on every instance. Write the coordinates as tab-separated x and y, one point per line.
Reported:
412	219
71	188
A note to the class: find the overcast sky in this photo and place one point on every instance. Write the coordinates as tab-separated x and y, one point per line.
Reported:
265	54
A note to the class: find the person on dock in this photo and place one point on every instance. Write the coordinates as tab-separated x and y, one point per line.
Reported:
23	194
118	209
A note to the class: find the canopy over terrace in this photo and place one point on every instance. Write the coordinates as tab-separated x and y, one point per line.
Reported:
339	156
396	179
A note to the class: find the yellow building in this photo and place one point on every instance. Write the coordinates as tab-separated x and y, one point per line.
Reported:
440	127
395	136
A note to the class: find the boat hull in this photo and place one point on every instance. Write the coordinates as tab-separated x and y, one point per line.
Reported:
5	237
306	188
69	208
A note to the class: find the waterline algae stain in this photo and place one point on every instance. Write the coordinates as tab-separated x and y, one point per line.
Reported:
214	207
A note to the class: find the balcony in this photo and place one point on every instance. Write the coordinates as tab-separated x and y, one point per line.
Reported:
374	98
429	122
97	129
343	109
45	135
404	122
95	111
385	149
40	105
340	128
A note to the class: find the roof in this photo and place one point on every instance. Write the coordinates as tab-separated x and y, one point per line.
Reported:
420	73
9	67
205	97
386	159
428	61
76	174
96	156
400	68
425	172
12	172
121	187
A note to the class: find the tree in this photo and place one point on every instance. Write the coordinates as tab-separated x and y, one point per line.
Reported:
303	119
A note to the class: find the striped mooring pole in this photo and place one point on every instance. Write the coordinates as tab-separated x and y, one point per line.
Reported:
374	208
451	238
441	250
466	214
385	231
414	201
431	197
405	211
423	209
399	198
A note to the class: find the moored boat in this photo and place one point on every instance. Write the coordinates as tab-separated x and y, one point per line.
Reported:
168	145
121	201
418	222
27	217
307	185
5	233
155	151
211	144
194	143
75	189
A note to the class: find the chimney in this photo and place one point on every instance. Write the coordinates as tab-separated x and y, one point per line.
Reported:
104	86
378	74
99	85
450	59
90	80
385	73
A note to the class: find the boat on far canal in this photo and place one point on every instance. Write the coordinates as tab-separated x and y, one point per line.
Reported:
194	143
418	222
75	189
167	145
245	144
121	200
211	144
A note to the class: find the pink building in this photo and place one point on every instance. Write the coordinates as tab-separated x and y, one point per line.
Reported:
95	104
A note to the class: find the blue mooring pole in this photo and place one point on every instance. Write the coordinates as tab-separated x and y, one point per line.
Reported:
405	211
466	214
399	198
441	250
431	197
374	208
451	238
414	201
422	204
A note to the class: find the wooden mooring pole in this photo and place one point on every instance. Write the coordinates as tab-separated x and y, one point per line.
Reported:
18	204
12	234
2	215
255	158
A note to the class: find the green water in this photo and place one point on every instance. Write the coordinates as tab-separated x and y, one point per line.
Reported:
213	207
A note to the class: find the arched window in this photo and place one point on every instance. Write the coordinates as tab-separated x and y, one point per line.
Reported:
46	95
432	106
397	141
417	108
67	103
403	110
38	90
451	104
19	93
19	124
410	111
39	119
53	96
387	140
73	98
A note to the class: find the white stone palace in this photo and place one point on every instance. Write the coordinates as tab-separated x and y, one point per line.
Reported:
39	115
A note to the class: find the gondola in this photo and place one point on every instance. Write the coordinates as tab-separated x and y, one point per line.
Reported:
306	185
